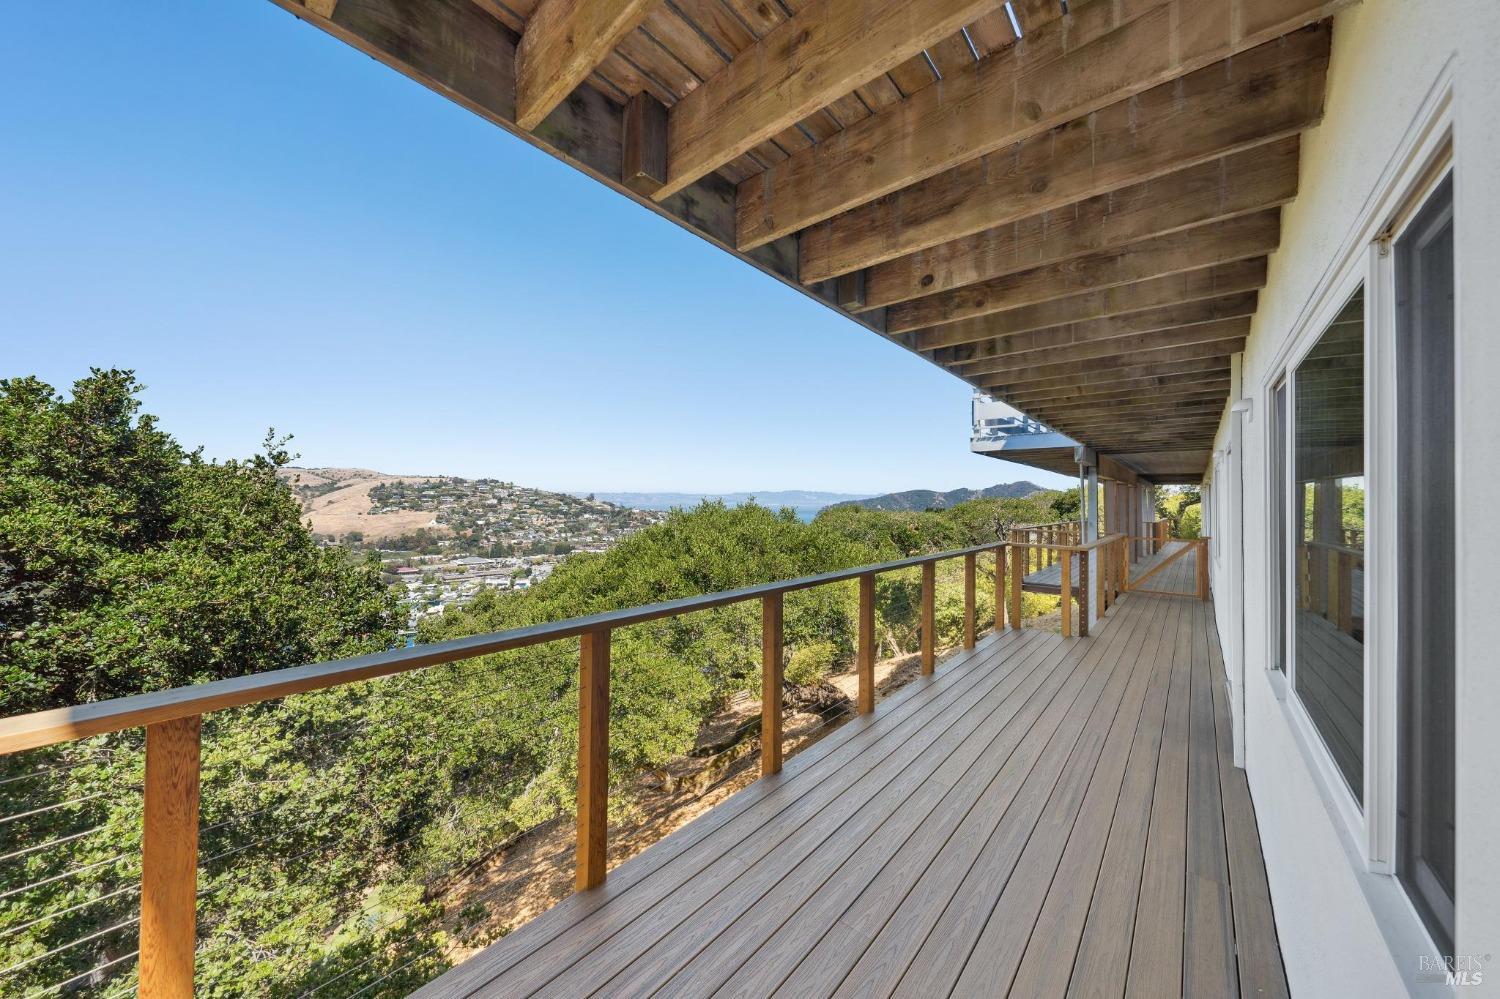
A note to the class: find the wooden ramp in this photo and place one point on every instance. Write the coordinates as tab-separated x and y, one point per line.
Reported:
1045	817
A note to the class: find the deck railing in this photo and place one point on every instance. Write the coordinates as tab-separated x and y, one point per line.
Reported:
1156	543
1109	579
1043	543
172	720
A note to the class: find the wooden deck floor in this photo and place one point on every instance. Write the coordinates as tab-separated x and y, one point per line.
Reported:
1045	817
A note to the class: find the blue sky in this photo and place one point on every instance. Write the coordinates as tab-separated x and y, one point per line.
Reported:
272	229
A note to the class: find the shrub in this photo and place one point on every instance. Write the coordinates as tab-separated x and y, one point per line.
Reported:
810	663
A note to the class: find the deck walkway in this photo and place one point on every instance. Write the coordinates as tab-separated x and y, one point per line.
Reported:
1045	817
1049	578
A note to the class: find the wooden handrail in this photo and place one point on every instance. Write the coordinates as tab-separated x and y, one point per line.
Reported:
172	719
1022	561
48	728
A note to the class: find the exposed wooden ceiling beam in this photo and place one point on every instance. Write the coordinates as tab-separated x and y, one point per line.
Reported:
826	50
1198	418
1217	385
1245	182
1160	385
1186	437
1268	93
1152	432
1114	374
564	41
1185	469
1103	54
1116	407
1244	238
1218	388
1097	330
1210	282
1200	350
1142	347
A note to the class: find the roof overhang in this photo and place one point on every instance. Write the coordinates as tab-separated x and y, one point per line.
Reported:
1076	222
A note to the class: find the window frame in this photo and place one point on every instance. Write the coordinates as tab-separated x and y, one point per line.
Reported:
1424	158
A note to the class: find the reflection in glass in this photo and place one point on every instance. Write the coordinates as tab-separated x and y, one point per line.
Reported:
1329	470
1426	808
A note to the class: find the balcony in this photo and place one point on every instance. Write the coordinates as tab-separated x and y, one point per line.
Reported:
1044	816
1037	814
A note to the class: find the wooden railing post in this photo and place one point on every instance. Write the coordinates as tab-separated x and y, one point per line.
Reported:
1202	554
169	859
1083	594
929	618
593	758
770	683
1125	564
866	652
1000	554
969	573
1066	586
1017	571
1103	578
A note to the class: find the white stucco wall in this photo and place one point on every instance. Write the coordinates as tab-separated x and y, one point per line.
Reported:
1386	56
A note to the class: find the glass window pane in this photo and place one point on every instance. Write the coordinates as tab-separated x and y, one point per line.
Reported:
1427	537
1329	473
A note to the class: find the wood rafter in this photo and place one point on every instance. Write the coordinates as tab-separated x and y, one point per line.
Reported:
1245	238
1160	354
826	50
1182	398
1191	286
1115	374
1266	94
565	40
1186	386
1076	220
1245	182
1141	347
1103	330
1052	77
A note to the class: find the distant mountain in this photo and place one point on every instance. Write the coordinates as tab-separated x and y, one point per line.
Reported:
931	499
801	499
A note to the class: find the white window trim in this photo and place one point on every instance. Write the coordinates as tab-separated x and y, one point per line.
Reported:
1368	832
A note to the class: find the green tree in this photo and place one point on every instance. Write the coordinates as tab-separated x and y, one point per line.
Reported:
127	564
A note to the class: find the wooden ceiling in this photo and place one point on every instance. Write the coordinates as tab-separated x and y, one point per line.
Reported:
1069	205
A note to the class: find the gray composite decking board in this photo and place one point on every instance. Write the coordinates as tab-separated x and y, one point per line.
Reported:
1261	971
1209	967
612	943
1156	951
800	863
814	775
1046	816
1069	837
954	924
1084	873
852	935
1102	957
957	780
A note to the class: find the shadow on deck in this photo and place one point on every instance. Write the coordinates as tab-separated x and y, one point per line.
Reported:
1047	816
